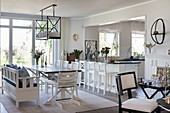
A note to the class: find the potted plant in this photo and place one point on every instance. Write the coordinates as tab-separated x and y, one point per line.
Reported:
77	53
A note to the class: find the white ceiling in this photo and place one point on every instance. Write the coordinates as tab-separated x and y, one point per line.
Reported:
66	8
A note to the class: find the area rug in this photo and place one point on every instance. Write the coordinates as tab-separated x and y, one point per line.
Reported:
88	102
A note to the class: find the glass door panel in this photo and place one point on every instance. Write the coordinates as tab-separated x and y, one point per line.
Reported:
22	46
4	45
45	45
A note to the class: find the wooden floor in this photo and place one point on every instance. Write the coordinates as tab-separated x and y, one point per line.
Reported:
109	95
113	97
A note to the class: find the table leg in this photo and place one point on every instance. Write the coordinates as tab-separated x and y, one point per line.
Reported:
167	92
154	94
46	87
145	92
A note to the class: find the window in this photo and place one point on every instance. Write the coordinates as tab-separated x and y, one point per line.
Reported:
4	22
22	46
25	23
4	45
45	45
138	43
109	40
16	35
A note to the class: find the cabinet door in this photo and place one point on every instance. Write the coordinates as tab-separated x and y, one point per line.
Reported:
141	70
132	67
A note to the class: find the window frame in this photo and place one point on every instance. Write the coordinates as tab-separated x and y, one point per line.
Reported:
11	27
117	40
137	32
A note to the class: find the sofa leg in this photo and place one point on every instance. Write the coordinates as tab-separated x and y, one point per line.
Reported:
38	102
17	104
2	91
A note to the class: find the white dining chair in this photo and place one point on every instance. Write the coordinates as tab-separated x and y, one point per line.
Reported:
91	75
66	83
58	63
75	66
82	79
65	64
126	82
108	77
46	81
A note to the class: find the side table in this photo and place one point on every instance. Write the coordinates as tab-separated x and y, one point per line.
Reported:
161	102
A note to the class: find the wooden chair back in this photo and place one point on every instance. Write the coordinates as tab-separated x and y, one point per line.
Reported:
75	65
66	80
65	64
125	82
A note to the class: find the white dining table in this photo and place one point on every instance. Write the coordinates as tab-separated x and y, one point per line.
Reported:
49	71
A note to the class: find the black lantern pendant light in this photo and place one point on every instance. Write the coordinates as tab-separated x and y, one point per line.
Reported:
49	27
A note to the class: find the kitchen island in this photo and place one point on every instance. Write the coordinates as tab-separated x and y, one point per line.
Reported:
125	66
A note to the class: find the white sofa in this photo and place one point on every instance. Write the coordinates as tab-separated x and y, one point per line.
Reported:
18	87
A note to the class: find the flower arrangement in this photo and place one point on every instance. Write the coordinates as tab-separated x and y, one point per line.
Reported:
37	54
105	50
149	46
166	75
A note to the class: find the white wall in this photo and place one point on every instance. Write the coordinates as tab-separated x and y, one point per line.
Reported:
92	33
125	28
152	10
63	43
76	27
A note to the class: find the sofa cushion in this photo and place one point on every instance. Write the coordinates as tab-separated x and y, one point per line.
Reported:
11	65
20	86
22	73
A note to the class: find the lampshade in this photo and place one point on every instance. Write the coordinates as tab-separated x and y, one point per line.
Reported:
49	27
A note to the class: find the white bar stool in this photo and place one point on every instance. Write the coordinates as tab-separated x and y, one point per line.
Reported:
83	68
91	75
107	76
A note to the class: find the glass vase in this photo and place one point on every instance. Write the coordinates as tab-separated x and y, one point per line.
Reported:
105	58
37	61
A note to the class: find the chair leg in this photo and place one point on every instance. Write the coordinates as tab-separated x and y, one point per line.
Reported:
84	80
158	110
38	101
105	85
120	111
98	84
89	81
52	89
110	82
80	77
94	80
46	87
76	92
17	104
41	84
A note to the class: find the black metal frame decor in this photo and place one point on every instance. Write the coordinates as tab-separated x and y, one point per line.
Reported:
155	34
90	48
50	27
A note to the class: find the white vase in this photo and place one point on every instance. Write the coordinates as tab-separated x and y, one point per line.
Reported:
76	60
